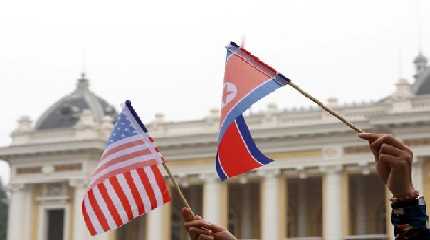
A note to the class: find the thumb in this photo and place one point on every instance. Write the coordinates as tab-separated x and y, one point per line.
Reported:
215	228
369	136
187	214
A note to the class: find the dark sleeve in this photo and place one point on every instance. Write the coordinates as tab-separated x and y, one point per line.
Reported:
410	220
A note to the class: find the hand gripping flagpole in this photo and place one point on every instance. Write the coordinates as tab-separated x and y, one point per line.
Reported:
327	109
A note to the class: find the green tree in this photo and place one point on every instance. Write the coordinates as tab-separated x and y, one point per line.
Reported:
4	205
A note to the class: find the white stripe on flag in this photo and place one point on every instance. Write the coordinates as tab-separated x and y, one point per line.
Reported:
115	199
104	208
121	153
121	142
141	189
93	218
126	189
154	186
123	164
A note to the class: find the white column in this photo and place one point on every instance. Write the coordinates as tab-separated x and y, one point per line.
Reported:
332	195
19	222
80	231
214	200
104	236
272	205
155	224
158	223
302	223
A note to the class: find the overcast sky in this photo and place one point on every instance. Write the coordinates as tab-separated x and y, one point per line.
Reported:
168	56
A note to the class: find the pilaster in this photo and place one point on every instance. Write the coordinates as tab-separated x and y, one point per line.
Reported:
79	230
19	222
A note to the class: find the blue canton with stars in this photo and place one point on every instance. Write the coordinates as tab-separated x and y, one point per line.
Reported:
123	129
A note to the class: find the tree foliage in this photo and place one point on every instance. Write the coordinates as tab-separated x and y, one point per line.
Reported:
3	211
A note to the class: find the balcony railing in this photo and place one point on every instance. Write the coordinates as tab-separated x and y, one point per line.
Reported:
368	237
305	238
355	237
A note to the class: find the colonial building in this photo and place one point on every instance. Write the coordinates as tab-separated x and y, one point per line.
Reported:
321	186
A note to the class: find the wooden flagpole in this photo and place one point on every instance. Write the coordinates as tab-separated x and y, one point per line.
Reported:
177	187
327	109
319	103
304	93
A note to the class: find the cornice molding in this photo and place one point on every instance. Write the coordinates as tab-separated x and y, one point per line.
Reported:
50	148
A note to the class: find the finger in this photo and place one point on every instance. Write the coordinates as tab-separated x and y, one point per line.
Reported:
383	170
193	236
402	155
201	223
392	161
389	139
215	228
198	231
187	214
389	149
205	237
376	145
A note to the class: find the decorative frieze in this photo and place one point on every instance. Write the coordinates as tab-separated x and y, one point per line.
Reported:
417	142
54	193
365	148
28	170
356	149
332	152
68	167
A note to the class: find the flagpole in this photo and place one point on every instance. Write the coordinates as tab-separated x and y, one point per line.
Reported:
319	103
176	185
304	93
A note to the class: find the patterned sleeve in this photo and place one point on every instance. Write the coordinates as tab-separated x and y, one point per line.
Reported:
410	220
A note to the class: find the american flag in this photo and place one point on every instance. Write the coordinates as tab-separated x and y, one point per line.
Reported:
127	182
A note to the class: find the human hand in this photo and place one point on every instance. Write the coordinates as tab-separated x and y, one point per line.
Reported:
200	229
393	163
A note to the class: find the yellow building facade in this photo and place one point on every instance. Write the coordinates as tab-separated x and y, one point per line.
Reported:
322	184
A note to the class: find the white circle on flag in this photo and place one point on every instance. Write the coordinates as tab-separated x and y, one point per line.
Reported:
229	93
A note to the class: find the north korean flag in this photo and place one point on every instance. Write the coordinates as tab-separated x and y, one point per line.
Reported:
246	80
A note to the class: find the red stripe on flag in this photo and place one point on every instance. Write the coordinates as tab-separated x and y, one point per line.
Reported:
148	188
134	192
97	210
122	147
161	183
243	160
117	171
123	158
121	195
87	220
110	205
